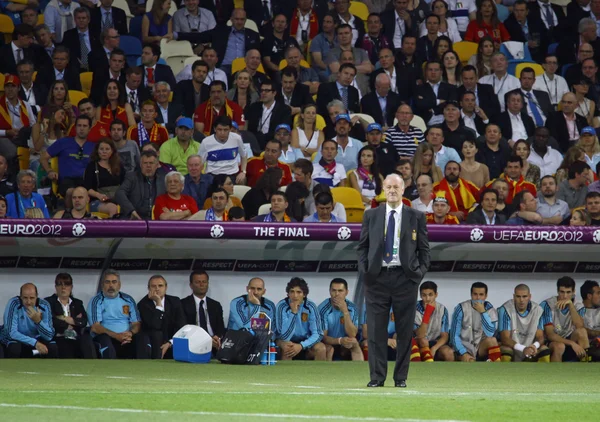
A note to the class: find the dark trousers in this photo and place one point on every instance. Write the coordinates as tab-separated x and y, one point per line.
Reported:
1	351
110	348
80	348
156	341
15	350
390	289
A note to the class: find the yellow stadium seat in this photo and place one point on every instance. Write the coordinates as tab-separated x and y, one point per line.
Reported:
283	64
538	69
86	82
23	154
366	117
239	4
76	96
240	64
34	77
465	49
313	156
351	200
40	20
1	83
361	10
6	27
308	56
101	215
320	122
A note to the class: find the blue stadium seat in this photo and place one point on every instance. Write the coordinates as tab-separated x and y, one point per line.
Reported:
512	62
135	27
566	67
503	12
552	48
132	47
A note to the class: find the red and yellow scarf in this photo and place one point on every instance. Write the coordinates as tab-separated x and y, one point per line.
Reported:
209	115
313	26
106	115
466	190
450	219
6	121
516	186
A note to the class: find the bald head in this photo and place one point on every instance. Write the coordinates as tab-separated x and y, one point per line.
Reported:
238	19
80	198
28	295
256	289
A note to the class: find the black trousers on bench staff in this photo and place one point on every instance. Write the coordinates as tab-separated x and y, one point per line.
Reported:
15	350
79	348
156	341
139	348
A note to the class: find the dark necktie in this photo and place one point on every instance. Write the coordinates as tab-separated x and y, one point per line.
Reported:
389	238
84	51
549	16
539	121
266	14
345	96
202	316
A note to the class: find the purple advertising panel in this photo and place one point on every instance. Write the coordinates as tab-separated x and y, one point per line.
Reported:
72	228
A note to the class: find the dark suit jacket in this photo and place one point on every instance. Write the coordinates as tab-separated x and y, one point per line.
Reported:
543	101
8	64
162	73
214	310
535	12
388	19
425	99
557	125
219	36
168	321
566	52
300	96
574	14
329	91
536	29
406	81
173	112
359	25
97	59
71	41
185	95
99	80
119	20
476	217
76	310
253	115
254	12
414	245
370	105
503	120
47	77
488	101
141	94
40	92
226	9
41	58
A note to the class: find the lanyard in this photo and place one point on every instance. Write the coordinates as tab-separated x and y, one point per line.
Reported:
197	25
555	98
266	118
501	85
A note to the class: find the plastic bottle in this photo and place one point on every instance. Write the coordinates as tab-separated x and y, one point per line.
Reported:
272	354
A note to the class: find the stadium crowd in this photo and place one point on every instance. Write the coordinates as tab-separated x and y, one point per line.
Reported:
296	111
560	328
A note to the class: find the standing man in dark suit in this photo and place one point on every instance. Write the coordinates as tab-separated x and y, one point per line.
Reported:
106	16
560	123
19	49
341	89
515	122
100	54
381	103
484	94
398	22
293	94
135	93
203	311
61	69
527	28
162	316
190	93
114	71
552	15
153	71
431	95
537	103
403	80
393	257
31	92
264	116
81	40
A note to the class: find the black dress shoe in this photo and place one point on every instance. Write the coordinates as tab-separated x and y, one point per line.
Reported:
401	384
375	384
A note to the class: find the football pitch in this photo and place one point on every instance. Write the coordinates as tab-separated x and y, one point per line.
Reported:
61	390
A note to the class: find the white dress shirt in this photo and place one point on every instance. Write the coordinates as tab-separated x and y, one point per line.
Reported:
418	205
518	128
59	76
548	164
399	32
501	85
208	327
555	87
303	25
265	119
29	96
392	76
15	50
396	248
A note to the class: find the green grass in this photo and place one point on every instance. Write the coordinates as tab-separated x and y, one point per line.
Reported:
39	390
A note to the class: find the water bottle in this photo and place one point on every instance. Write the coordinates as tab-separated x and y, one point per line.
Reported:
272	353
264	359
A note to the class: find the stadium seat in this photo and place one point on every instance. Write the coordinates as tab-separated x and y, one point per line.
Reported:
175	53
239	4
250	24
308	56
366	117
240	64
23	154
135	27
239	191
320	122
132	47
552	48
172	10
138	62
283	188
513	61
264	209
566	67
6	27
76	96
465	49
283	64
86	82
361	10
351	200
539	70
503	12
40	20
190	61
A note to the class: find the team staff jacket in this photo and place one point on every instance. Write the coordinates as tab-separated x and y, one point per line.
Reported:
20	328
241	312
303	327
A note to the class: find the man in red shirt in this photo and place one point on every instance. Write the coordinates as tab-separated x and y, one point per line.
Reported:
173	205
218	105
440	213
99	130
257	166
460	193
514	177
147	130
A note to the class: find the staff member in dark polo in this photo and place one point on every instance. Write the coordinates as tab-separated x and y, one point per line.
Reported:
393	257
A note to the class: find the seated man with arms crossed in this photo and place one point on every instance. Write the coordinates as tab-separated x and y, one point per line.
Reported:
590	294
298	325
521	330
339	317
432	325
252	305
473	327
563	322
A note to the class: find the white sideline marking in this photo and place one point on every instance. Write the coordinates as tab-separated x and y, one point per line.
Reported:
29	373
306	386
260	384
161	379
74	375
118	378
230	414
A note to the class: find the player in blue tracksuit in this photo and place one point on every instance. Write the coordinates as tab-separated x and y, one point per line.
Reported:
298	326
252	305
28	329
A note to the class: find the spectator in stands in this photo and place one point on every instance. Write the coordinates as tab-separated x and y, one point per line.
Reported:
513	174
541	155
177	150
366	179
589	70
99	56
161	316
16	118
114	321
266	186
566	125
203	311
382	103
139	190
574	190
169	112
44	40
451	68
137	94
358	124
553	210
404	169
404	137
573	72
32	93
274	45
153	71
580	217
344	17
252	60
25	202
29	14
441	212
428	38
196	184
225	182
527	28
324	205
19	49
585	106
583	28
61	70
289	155
59	17
485	99
424	163
526	210
515	122
217	106
148	130
500	80
360	81
277	214
80	40
28	330
493	151
237	214
190	93
435	138
304	24
114	105
338	208
73	157
157	23
551	83
588	141
477	342
440	46
305	135
128	150
221	150
537	102
387	156
431	95
341	90
321	44
263	117
192	20
530	172
563	322
294	93
106	16
424	202
296	193
308	331
7	179
59	96
398	22
254	304
69	320
86	107
327	170
218	208
487	23
573	154
374	40
243	92
46	132
115	71
3	207
400	82
486	213
173	205
103	176
472	170
447	25
592	206
81	201
592	187
461	194
473	117
348	147
303	170
501	185
257	166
